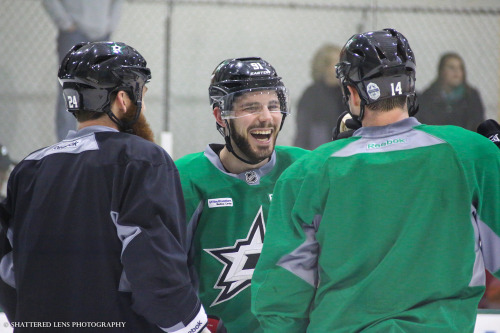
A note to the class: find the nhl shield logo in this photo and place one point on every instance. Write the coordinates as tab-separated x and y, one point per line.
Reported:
251	177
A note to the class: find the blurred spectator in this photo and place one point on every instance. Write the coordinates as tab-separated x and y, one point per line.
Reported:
450	100
79	21
321	103
5	164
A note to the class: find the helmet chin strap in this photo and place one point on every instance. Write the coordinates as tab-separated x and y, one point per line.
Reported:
359	118
361	112
229	147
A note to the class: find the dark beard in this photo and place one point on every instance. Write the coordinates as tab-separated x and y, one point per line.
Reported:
244	146
140	127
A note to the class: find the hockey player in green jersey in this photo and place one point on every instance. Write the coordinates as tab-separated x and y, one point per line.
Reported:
389	230
228	188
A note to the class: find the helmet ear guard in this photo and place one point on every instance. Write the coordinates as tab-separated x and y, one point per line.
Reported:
91	72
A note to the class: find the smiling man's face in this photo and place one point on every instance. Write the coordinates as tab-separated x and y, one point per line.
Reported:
256	129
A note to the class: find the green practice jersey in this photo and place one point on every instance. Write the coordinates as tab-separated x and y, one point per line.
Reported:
387	231
227	214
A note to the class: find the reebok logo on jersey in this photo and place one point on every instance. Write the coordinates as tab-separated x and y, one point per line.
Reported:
196	328
220	202
69	145
385	143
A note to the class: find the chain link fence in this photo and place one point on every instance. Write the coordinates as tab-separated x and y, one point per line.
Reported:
183	41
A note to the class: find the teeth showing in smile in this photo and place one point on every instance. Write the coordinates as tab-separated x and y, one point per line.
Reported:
262	135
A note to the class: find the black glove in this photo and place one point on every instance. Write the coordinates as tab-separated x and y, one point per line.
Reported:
215	324
490	129
346	126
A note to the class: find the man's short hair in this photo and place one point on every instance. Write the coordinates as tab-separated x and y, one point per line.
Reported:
388	104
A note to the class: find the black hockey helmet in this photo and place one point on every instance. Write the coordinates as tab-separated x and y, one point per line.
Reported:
236	76
379	65
239	75
91	72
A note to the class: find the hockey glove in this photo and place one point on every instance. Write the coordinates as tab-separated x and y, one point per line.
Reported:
216	325
346	126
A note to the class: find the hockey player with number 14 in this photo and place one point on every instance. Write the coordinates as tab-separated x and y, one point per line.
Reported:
389	230
228	188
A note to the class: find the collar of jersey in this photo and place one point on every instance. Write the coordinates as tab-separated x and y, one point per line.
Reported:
401	126
262	171
87	130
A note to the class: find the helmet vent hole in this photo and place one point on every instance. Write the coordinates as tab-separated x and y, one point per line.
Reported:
101	59
359	53
381	54
401	52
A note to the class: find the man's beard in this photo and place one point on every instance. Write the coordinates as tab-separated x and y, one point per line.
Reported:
140	127
243	144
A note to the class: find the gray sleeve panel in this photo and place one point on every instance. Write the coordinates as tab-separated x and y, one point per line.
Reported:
490	246
303	261
193	224
124	284
7	264
478	275
7	270
126	234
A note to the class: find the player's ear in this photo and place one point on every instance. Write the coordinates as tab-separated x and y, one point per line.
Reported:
218	117
121	103
354	96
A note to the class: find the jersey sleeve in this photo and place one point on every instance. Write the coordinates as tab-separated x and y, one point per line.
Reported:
487	184
8	294
290	253
150	221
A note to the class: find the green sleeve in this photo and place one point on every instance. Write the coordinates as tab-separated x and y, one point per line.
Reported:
281	297
487	171
189	190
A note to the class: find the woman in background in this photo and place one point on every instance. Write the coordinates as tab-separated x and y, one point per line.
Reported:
450	100
321	103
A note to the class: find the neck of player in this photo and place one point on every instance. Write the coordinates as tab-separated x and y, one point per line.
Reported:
234	165
383	118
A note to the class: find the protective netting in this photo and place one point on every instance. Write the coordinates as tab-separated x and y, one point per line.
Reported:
184	40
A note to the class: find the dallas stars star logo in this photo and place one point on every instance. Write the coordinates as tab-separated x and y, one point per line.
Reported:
117	48
239	261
